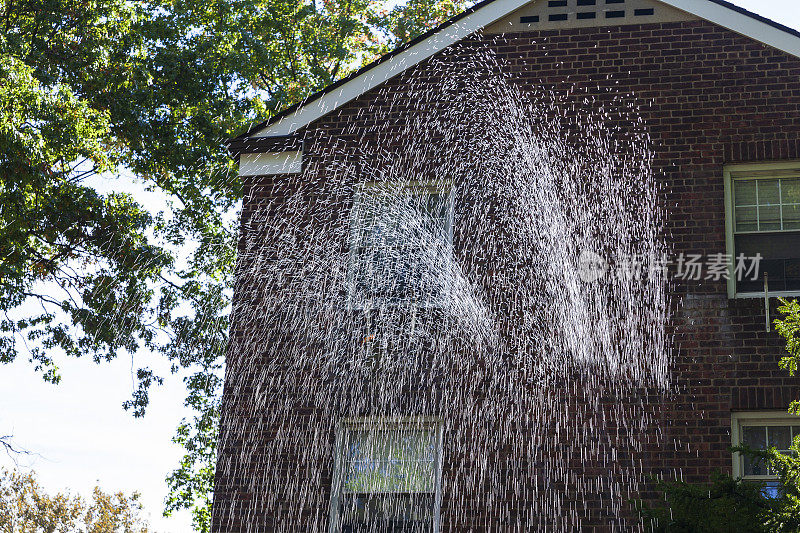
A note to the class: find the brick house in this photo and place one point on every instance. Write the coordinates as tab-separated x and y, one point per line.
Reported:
719	90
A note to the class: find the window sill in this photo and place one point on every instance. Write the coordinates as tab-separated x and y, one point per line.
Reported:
776	294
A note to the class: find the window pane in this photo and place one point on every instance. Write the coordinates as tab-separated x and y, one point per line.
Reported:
746	219
754	436
744	192
761	437
755	467
768	192
792	271
389	480
401	241
778	437
771	246
433	204
790	188
769	218
771	490
795	432
791	216
780	254
387	462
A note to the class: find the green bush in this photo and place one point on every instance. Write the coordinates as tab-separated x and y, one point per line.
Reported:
727	504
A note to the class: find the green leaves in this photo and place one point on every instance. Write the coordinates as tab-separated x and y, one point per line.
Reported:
724	505
729	504
783	514
25	507
95	89
789	328
406	21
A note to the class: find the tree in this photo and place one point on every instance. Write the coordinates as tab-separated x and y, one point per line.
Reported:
26	508
91	90
789	328
731	504
726	504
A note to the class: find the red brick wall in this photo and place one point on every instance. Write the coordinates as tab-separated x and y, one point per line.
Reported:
709	97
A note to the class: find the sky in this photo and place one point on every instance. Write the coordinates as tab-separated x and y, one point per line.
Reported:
78	430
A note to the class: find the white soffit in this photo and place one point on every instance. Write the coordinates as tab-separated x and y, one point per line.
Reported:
488	14
270	163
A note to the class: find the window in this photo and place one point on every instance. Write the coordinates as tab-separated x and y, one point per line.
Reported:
401	241
387	477
762	430
763	218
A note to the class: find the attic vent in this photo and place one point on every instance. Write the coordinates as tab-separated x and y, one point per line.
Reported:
558	13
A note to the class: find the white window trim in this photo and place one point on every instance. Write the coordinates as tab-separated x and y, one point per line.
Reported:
443	186
410	422
729	173
756	418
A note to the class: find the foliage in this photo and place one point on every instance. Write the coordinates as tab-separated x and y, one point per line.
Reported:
724	505
91	90
730	504
26	508
84	91
789	328
192	483
408	20
783	514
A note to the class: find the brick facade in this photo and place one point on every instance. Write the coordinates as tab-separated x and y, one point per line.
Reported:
709	97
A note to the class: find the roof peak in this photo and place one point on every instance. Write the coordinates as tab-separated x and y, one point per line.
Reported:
479	16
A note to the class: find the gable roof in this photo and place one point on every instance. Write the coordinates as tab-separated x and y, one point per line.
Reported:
480	15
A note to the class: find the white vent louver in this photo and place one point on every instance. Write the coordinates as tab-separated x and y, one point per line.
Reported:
559	11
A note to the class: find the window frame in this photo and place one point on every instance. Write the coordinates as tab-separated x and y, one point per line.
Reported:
755	418
768	170
445	187
416	423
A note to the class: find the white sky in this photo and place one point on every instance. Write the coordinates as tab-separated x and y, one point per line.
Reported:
82	435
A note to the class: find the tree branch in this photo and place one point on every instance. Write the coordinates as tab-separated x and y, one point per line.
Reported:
13	451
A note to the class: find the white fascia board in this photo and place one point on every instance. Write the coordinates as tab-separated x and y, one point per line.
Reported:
740	23
264	164
377	75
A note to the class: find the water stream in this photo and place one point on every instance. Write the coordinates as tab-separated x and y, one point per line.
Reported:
455	316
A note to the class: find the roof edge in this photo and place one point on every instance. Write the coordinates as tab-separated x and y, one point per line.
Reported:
756	16
386	57
732	17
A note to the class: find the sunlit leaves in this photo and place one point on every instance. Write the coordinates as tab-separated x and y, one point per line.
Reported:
409	19
150	89
789	328
25	507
